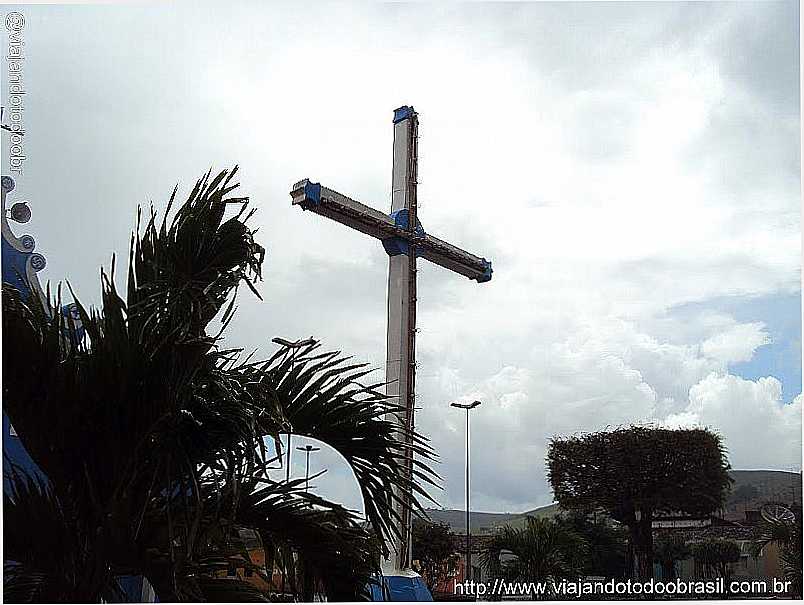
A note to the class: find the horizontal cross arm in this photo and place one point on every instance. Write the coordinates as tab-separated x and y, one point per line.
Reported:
453	258
336	206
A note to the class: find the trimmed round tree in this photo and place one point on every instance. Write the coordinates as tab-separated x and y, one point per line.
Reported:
637	472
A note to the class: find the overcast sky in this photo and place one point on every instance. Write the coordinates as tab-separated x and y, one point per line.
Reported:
632	171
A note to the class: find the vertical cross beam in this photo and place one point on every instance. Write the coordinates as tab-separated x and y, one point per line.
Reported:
400	341
404	239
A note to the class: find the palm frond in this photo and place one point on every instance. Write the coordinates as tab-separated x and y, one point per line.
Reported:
541	550
323	396
50	555
155	453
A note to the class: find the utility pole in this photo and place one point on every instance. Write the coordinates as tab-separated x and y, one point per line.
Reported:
467	407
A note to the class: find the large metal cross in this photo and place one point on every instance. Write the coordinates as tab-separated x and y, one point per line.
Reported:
404	240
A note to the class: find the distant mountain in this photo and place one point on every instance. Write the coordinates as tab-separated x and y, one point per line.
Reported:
456	519
749	491
485	522
752	489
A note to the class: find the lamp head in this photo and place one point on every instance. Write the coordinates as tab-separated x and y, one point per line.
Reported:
465	406
294	345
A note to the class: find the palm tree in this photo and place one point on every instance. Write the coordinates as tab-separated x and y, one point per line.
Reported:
154	438
435	547
542	551
787	536
607	542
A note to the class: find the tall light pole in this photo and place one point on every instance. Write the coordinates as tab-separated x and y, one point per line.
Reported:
467	407
308	449
293	346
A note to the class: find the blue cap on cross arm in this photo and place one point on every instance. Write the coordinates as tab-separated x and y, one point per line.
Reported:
403	113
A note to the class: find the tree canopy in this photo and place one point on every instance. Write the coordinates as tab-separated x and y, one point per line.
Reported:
640	468
635	472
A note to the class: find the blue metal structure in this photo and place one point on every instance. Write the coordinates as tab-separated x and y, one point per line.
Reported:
410	587
400	245
403	113
20	265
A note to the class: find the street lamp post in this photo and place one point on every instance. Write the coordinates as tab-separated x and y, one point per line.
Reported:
467	407
293	346
308	449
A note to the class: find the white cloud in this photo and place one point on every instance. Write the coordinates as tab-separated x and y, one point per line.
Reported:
759	429
737	344
604	374
614	161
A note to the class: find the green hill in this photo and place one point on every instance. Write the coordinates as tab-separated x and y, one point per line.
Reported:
485	522
750	490
456	519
